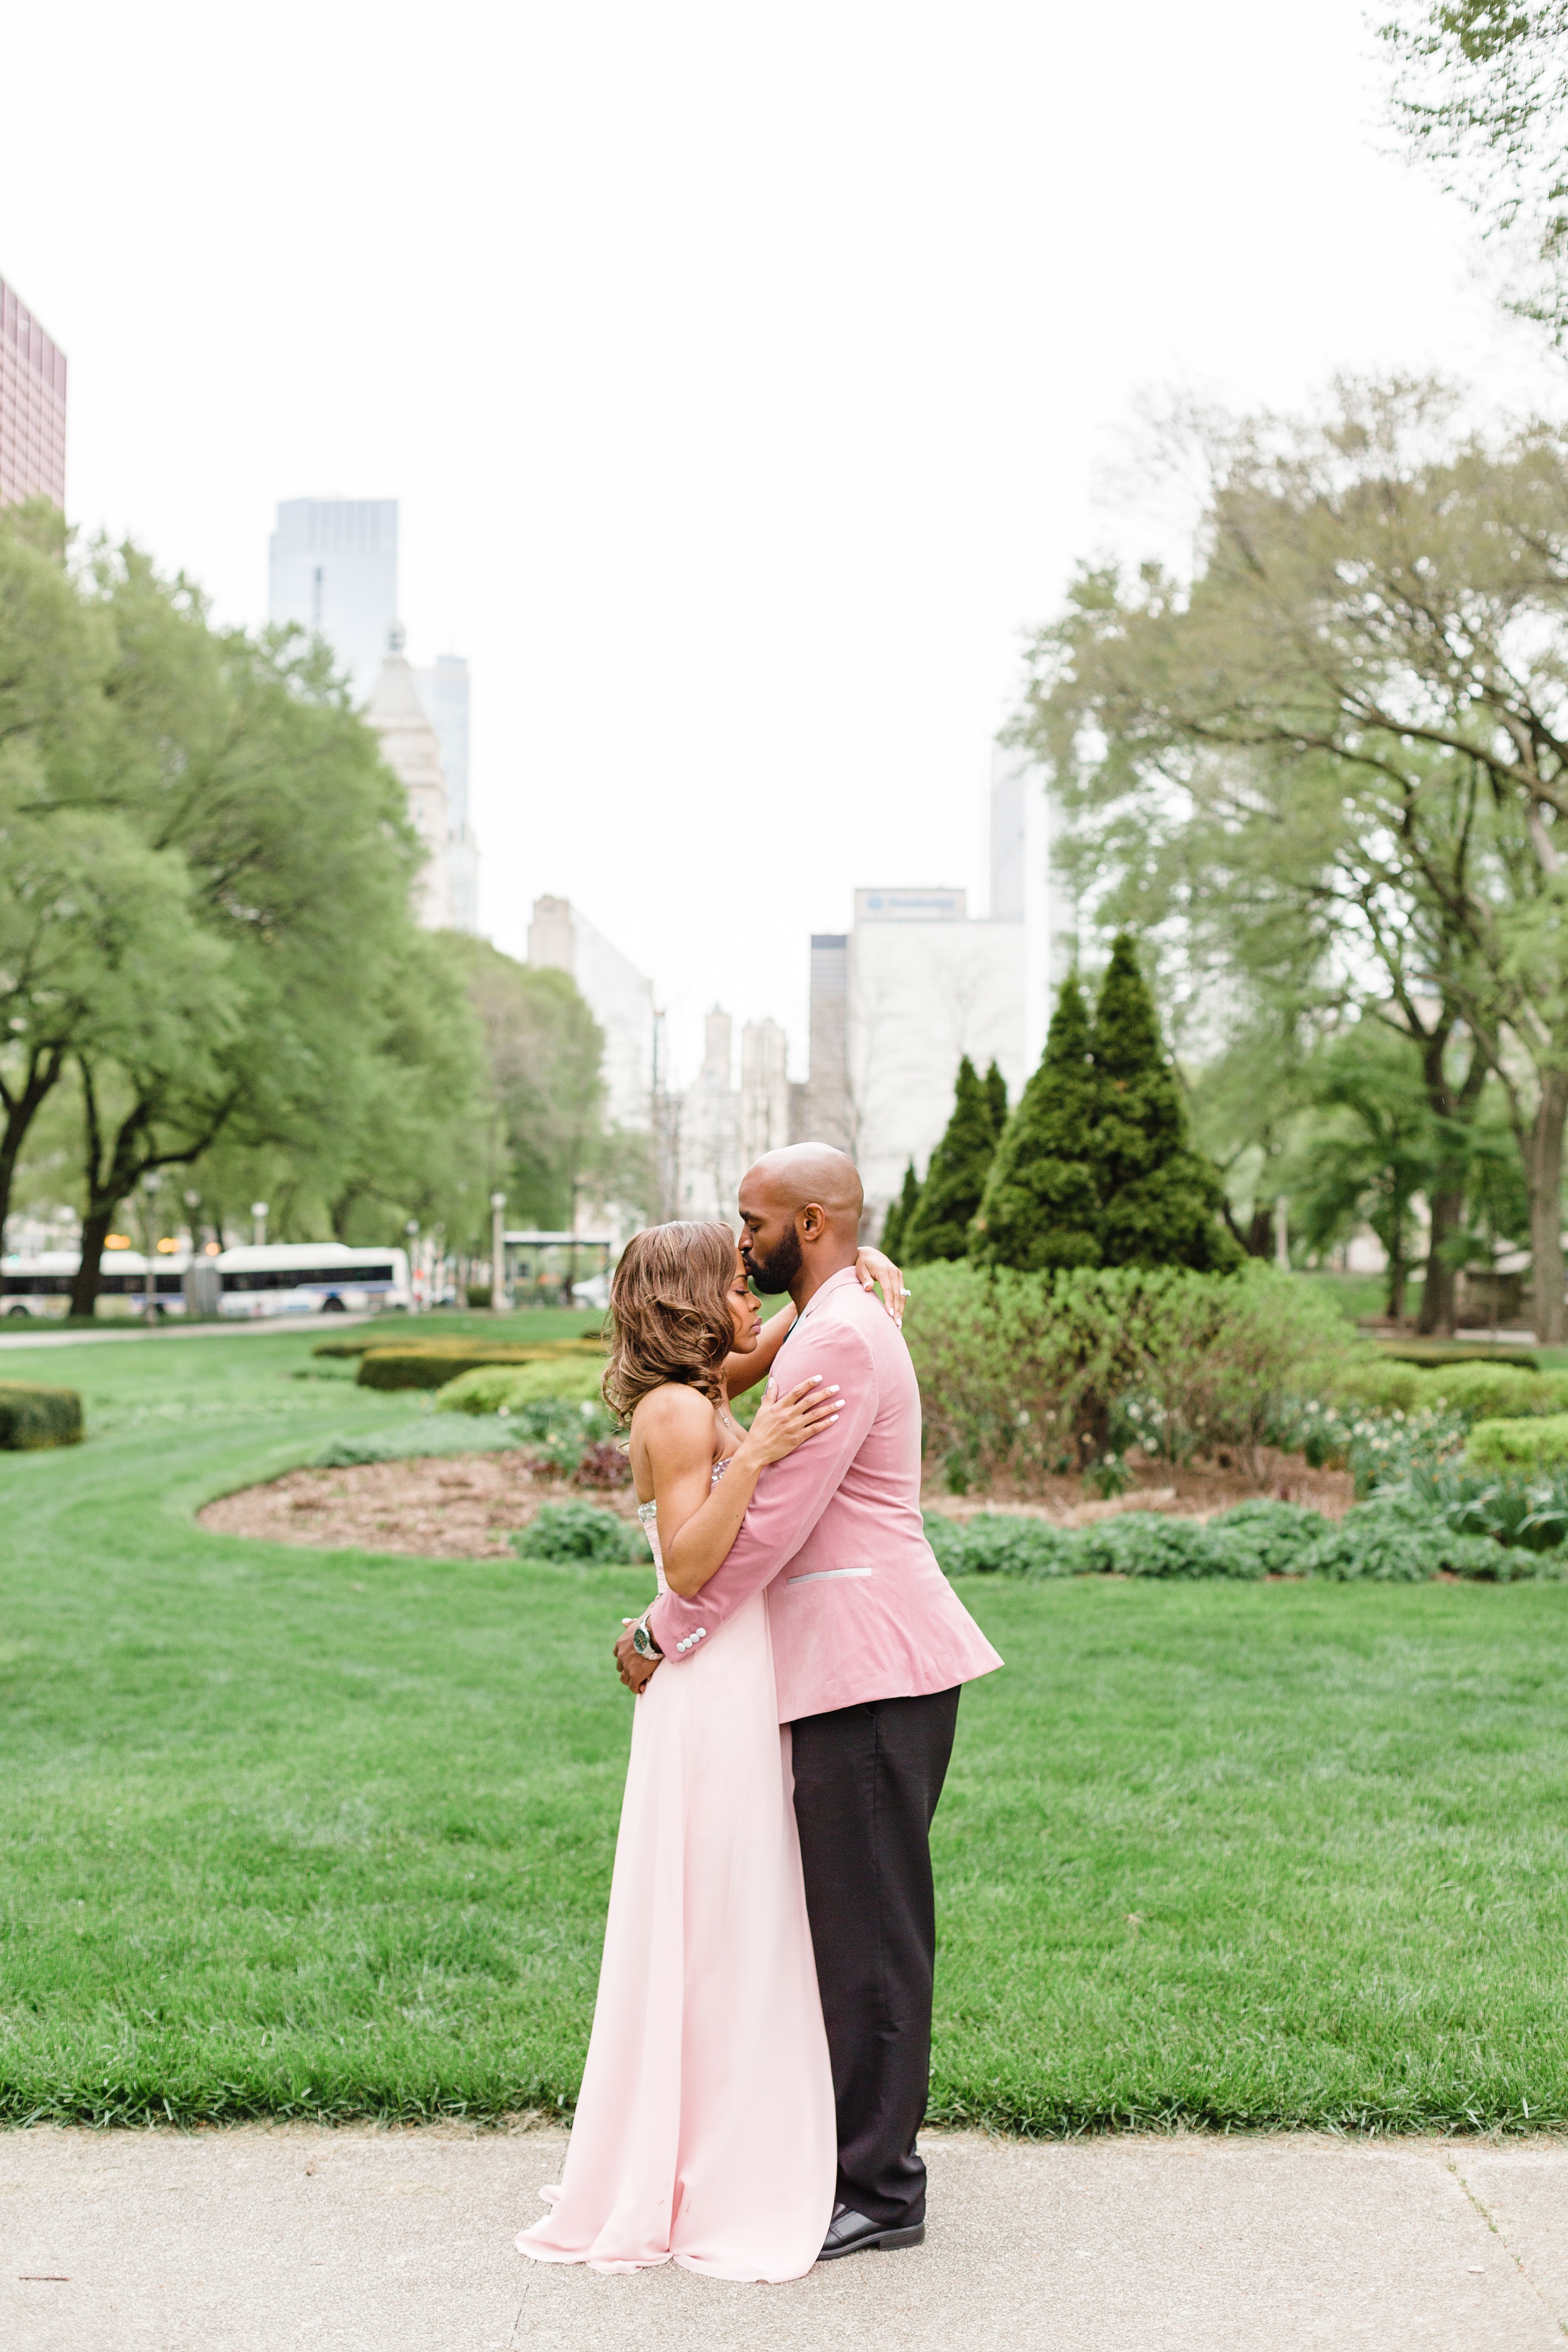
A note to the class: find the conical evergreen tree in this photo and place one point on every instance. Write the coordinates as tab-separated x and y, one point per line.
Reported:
1158	1199
896	1223
997	1096
1040	1210
957	1177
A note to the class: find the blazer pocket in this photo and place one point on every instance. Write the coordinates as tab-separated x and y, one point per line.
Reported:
825	1575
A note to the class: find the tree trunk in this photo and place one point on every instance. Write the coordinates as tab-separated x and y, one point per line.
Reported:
1454	1110
1396	1273
1447	1208
1543	1174
21	1110
85	1287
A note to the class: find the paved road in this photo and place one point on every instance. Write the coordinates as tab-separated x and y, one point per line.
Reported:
262	2240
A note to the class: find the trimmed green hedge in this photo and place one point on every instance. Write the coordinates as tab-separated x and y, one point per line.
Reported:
32	1415
504	1388
408	1366
1487	1391
1537	1445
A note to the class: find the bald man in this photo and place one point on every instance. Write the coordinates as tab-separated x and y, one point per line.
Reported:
872	1646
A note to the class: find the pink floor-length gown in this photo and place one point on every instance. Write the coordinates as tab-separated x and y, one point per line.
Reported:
705	2132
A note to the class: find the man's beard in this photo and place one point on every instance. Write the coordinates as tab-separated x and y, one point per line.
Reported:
775	1273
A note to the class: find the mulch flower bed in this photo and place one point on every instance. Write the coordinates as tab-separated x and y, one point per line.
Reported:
445	1507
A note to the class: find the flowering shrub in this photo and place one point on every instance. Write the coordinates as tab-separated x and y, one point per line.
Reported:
603	1466
1377	1448
1031	1372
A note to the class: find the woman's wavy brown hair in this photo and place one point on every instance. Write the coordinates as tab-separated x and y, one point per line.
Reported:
671	1314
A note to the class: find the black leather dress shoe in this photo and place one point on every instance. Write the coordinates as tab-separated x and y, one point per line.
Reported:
852	2234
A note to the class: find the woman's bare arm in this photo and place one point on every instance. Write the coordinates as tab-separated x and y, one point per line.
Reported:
698	1521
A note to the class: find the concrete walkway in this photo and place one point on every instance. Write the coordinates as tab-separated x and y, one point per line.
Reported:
40	1334
261	2239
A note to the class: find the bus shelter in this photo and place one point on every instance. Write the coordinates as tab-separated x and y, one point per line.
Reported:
552	1269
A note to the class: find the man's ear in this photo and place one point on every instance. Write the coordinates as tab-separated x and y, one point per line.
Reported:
812	1223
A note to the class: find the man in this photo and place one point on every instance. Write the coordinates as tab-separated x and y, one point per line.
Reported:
871	1647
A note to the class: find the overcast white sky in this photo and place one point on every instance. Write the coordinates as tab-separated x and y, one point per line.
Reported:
743	374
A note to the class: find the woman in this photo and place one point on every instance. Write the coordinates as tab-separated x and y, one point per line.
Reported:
705	2132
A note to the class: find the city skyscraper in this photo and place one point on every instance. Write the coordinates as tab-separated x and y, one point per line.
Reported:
32	407
333	569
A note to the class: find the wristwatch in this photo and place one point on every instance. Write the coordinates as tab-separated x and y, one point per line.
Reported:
642	1642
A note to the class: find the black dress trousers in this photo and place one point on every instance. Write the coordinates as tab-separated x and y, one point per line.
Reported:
866	1781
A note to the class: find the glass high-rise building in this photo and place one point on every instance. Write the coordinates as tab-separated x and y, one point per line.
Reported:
32	407
333	569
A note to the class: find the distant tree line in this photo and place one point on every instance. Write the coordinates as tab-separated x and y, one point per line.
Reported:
209	971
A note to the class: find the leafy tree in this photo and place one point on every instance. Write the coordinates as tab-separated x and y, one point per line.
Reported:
997	1096
1343	737
896	1223
205	871
1159	1200
545	1052
243	761
1482	95
956	1176
411	1136
1367	1160
1040	1210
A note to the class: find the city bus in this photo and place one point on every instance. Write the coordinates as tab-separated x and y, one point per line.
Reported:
279	1278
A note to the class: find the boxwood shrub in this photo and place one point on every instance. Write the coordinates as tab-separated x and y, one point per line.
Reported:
1541	1443
1483	1391
411	1366
508	1388
32	1415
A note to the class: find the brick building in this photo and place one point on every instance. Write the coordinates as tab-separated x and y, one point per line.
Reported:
32	407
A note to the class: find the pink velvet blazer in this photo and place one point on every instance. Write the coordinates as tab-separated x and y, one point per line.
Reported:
857	1607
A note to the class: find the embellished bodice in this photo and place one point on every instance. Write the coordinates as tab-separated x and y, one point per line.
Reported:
648	1514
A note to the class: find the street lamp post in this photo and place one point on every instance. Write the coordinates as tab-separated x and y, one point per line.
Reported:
498	1255
259	1210
412	1230
150	1184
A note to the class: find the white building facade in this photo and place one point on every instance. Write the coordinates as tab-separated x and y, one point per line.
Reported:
444	690
918	983
412	750
720	1127
561	939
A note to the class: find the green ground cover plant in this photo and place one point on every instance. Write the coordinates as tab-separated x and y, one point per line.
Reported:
1397	1538
299	1832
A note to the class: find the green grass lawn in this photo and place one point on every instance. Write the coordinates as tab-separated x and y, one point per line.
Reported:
293	1831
